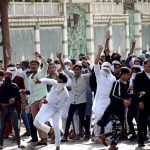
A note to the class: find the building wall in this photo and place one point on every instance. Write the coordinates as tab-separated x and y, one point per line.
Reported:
146	36
51	18
51	41
22	43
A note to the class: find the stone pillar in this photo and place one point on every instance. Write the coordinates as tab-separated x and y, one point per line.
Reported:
65	37
138	33
111	33
90	34
127	38
37	38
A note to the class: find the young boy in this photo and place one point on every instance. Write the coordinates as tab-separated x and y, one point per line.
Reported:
115	112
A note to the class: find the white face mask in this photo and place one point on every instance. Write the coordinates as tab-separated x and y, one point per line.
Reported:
14	73
13	70
67	66
58	66
60	86
19	71
106	69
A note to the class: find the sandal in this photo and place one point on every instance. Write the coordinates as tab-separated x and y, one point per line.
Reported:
102	139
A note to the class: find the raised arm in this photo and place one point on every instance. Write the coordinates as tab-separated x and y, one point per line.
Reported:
107	50
59	55
100	48
87	66
46	81
43	61
132	47
68	72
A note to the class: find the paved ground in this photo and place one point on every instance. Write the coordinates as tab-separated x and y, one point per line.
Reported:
80	145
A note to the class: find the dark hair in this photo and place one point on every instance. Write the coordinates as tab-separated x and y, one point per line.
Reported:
125	70
116	56
136	69
83	58
2	73
73	61
51	64
11	65
25	64
34	61
81	55
146	61
63	77
49	60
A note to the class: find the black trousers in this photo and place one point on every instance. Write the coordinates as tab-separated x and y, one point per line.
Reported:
142	121
132	114
81	110
33	129
113	109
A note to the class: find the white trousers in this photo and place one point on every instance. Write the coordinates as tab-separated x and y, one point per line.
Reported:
43	115
99	107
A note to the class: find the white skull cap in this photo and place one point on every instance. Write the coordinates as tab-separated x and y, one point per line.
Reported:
67	60
106	64
79	63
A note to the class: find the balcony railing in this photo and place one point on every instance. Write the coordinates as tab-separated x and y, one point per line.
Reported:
34	9
55	8
107	7
117	6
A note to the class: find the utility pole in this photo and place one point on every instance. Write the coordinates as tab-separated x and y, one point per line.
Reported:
5	31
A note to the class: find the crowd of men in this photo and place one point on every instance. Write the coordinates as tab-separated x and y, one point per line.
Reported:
73	99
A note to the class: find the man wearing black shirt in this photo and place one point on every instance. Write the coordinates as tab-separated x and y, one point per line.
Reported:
142	90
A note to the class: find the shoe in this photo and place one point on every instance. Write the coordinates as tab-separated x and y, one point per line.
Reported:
133	137
77	137
102	139
27	133
1	146
81	135
32	141
52	136
123	137
113	147
95	139
86	137
141	145
42	143
71	134
21	146
52	141
64	139
57	148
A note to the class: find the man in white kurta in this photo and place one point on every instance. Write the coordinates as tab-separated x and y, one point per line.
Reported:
105	81
56	99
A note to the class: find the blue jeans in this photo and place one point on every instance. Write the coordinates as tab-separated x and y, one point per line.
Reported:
7	112
25	119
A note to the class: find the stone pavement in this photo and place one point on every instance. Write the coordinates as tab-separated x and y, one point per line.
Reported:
74	145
